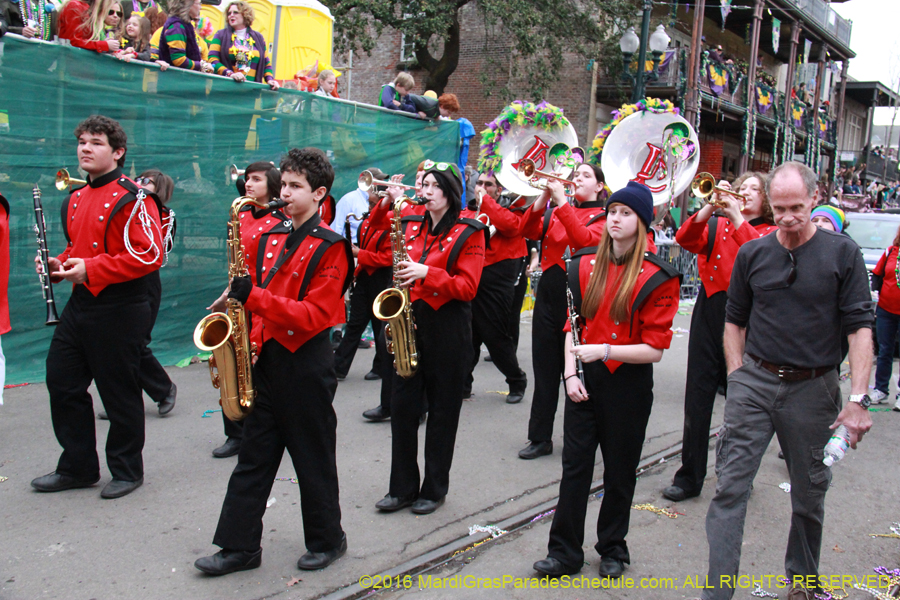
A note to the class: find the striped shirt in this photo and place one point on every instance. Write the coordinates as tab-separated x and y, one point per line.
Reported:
215	57
154	45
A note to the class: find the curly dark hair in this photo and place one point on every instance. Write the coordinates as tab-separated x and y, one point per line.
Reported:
313	164
273	177
115	135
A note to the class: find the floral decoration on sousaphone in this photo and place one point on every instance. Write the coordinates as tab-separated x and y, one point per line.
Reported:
650	143
543	116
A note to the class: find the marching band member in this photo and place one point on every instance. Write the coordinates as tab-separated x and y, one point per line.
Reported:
262	180
295	302
629	300
716	241
503	260
560	227
446	255
102	330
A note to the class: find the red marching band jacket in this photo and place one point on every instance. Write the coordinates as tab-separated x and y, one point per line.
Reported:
564	227
4	266
715	260
454	259
302	278
654	303
507	242
374	248
255	223
95	217
889	296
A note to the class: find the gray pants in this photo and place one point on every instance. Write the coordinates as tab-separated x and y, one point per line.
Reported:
799	413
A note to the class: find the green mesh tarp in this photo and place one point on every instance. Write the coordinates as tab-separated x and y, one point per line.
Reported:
191	127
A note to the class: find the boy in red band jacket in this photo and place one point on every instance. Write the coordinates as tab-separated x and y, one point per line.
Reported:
102	330
295	302
503	260
4	285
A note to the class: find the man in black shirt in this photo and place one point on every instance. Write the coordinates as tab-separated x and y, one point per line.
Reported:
791	294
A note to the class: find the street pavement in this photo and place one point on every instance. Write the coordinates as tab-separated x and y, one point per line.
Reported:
74	545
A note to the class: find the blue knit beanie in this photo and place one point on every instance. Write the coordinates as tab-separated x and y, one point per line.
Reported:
638	198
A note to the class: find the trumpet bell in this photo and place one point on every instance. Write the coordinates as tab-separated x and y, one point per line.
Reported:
65	181
526	169
365	181
234	173
703	185
214	334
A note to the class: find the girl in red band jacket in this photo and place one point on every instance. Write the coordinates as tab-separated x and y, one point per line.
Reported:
630	298
559	228
446	255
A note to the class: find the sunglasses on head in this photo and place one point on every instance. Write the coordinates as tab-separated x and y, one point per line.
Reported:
442	166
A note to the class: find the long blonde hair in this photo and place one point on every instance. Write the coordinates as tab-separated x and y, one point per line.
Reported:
620	309
93	21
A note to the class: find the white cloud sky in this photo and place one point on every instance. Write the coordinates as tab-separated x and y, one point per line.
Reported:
876	43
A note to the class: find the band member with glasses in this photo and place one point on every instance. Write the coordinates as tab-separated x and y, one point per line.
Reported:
446	255
262	180
238	51
109	259
793	295
560	227
295	302
628	298
715	239
490	309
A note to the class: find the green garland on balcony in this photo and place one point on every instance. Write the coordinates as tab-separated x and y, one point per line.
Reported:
775	148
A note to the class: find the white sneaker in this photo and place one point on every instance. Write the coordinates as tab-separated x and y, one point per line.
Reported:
897	403
877	396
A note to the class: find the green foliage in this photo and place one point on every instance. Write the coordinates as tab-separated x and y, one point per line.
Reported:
537	33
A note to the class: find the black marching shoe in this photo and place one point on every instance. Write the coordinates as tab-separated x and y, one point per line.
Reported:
231	447
677	494
551	567
313	561
423	506
168	403
393	503
372	376
224	562
377	414
118	488
56	482
517	391
611	567
536	449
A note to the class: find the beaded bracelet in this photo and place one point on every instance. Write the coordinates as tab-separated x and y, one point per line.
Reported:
606	356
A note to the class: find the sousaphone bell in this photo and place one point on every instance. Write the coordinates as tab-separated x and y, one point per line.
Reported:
64	181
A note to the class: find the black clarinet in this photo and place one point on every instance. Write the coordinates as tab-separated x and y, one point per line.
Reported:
573	322
40	229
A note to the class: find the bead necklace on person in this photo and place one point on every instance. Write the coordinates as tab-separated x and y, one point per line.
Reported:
137	10
33	15
897	269
242	47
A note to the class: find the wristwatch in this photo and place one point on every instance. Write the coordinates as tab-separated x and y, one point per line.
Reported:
861	399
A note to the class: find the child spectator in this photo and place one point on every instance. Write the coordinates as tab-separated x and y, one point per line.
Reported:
327	83
395	95
449	105
136	41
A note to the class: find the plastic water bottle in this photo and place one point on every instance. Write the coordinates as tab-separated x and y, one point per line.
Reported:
836	446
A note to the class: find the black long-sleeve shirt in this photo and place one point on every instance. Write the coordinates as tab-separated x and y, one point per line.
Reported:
800	324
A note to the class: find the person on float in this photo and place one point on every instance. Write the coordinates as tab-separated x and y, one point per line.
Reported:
630	298
238	51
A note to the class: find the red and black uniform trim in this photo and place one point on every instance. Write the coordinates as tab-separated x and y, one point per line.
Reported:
299	294
256	224
374	247
507	242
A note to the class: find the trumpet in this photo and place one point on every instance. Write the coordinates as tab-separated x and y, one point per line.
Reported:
538	179
704	186
367	181
64	181
234	173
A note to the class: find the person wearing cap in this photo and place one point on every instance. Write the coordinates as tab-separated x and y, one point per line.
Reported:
559	228
445	259
627	298
715	239
829	217
887	315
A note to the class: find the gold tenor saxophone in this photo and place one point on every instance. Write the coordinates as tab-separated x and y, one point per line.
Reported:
227	336
393	306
